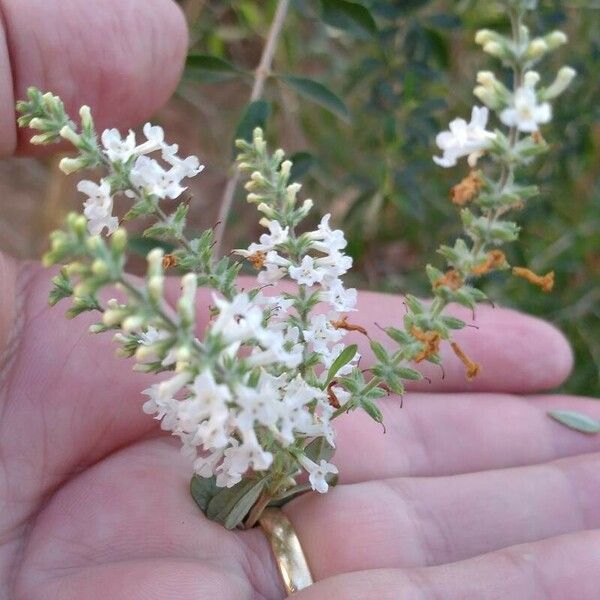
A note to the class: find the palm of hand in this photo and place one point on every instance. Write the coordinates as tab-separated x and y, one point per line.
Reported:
96	503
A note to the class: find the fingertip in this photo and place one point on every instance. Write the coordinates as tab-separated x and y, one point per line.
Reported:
123	58
517	352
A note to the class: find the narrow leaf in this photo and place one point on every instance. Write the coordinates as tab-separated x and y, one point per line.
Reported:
203	490
319	449
342	360
302	162
231	505
209	69
255	115
344	14
141	245
318	93
576	421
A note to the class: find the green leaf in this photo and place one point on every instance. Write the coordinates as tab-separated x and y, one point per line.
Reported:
406	373
255	115
342	360
344	14
203	490
318	93
141	245
380	352
209	69
231	505
576	421
302	162
319	449
372	410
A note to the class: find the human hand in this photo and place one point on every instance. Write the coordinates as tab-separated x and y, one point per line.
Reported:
96	503
95	497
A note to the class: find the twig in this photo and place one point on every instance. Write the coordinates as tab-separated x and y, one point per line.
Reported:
260	76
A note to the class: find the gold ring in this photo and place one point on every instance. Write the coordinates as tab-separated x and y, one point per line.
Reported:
287	550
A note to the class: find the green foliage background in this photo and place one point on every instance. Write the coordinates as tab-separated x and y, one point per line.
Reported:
395	73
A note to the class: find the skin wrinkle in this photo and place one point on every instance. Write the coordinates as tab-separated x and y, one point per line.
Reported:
399	492
424	521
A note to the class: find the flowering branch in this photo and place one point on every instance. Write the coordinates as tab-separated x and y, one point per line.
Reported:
252	394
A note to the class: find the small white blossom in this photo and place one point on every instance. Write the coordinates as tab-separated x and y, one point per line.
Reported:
327	240
118	149
317	474
465	139
308	272
526	113
322	333
338	297
98	207
277	235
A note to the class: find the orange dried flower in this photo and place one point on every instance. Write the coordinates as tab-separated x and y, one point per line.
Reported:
169	260
452	279
472	368
257	260
343	324
496	259
430	340
545	282
465	191
537	137
333	399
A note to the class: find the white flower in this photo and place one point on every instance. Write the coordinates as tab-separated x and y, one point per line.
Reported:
295	415
155	137
98	207
308	273
317	474
336	264
249	454
276	267
322	333
205	466
117	149
152	336
327	240
525	113
148	175
338	297
465	139
277	235
258	405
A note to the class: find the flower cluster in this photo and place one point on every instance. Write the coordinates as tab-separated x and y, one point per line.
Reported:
253	392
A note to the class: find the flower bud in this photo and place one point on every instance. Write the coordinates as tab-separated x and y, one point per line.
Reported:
531	79
132	323
483	36
285	168
100	268
556	39
71	165
537	49
87	122
37	123
69	134
563	80
118	241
